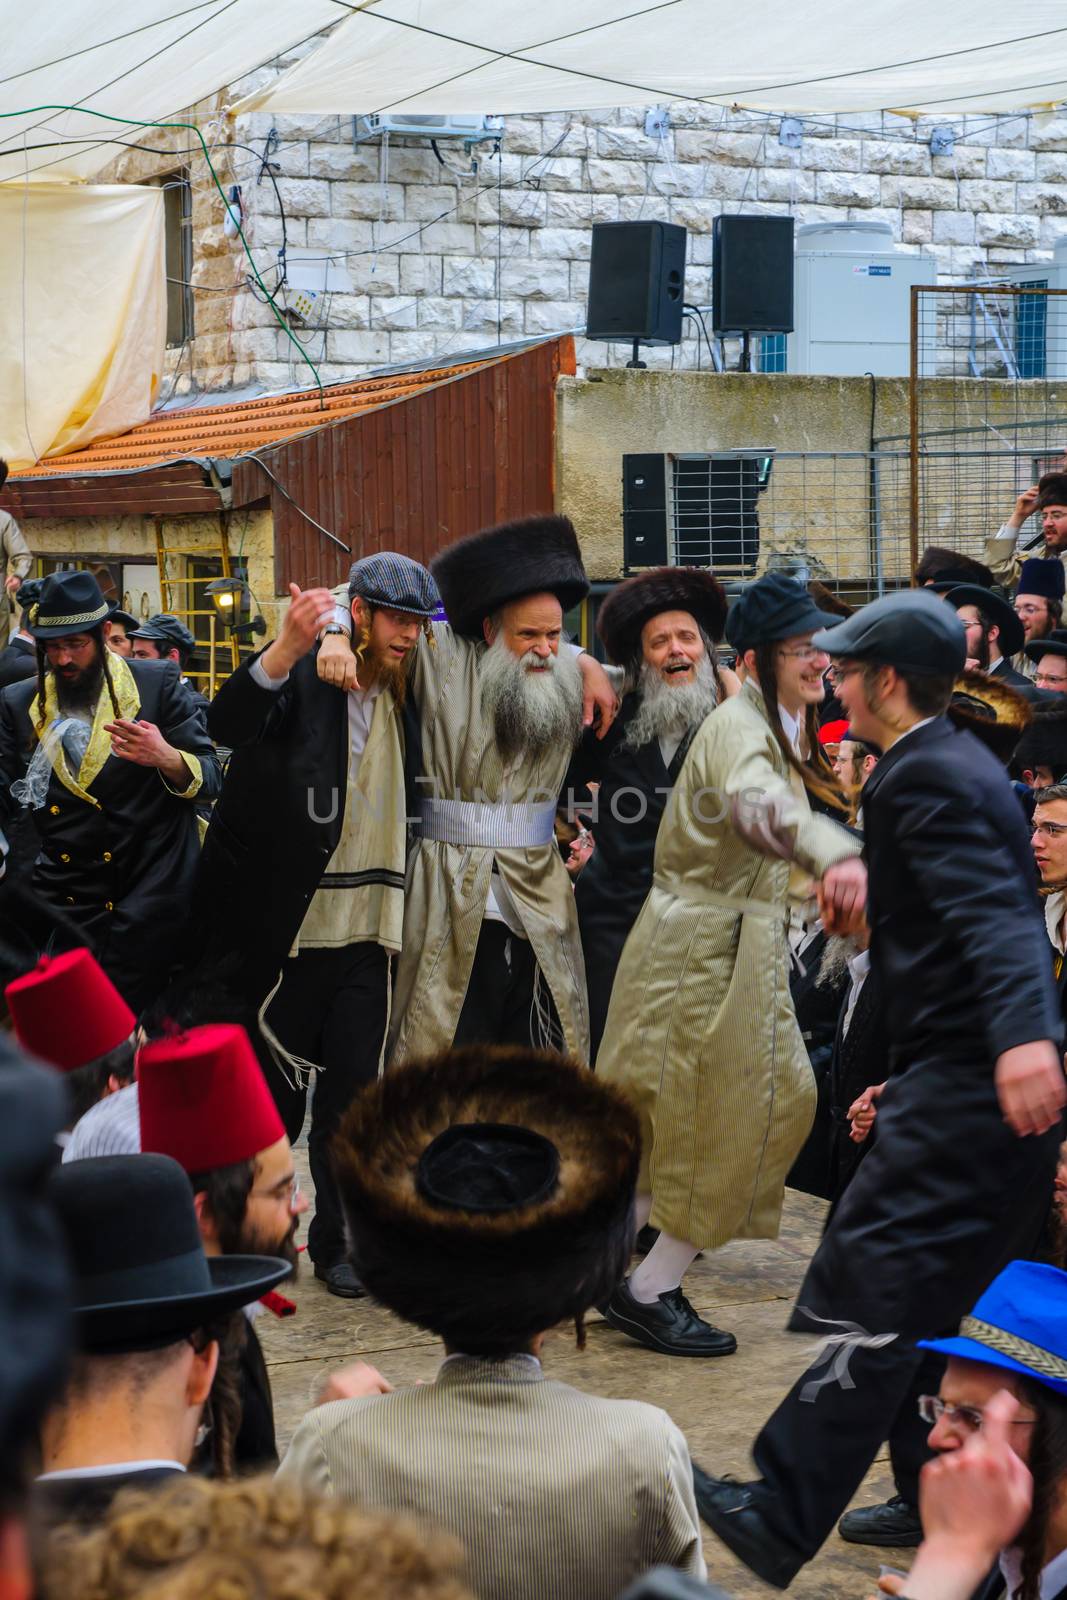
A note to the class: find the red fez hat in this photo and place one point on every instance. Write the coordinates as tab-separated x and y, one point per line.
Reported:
204	1099
68	1011
833	732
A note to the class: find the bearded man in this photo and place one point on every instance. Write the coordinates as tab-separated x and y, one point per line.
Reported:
495	709
322	917
1038	604
661	628
108	757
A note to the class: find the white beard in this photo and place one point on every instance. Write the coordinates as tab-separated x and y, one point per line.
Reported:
532	709
667	709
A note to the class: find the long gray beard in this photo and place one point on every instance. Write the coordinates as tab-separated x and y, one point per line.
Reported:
666	710
833	965
532	712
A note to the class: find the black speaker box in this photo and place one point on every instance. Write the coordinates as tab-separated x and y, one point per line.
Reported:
644	538
636	282
644	482
752	274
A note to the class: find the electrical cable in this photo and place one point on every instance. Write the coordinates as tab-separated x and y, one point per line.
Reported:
192	128
283	491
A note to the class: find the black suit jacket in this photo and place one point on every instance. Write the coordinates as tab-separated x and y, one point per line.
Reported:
122	868
86	1499
276	824
956	930
18	660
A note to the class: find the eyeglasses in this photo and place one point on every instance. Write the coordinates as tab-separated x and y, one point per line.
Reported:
1051	830
967	1418
837	675
1049	680
289	1192
803	652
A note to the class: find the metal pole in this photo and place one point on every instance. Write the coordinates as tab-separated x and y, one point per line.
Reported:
913	453
211	656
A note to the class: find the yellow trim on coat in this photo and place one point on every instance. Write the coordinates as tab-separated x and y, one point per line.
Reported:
99	747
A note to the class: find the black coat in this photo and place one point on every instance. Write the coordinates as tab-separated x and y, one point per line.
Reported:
18	660
86	1499
1006	673
949	1193
611	889
255	1448
121	869
277	822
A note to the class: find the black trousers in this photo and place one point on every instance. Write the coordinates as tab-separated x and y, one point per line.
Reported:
815	1450
330	1009
498	1005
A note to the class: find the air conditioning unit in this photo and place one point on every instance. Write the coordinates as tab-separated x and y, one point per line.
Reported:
398	125
694	510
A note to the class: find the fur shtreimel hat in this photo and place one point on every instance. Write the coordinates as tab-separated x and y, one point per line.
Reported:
633	603
1051	490
940	565
488	1192
479	574
994	712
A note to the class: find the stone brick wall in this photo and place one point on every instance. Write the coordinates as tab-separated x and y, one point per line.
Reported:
433	258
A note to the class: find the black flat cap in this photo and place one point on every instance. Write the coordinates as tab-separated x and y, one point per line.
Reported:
774	607
913	630
995	609
167	631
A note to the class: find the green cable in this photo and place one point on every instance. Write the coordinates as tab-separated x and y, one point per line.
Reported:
190	127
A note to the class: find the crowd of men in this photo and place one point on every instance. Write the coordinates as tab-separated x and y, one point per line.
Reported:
582	966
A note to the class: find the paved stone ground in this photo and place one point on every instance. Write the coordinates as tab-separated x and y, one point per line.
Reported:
719	1405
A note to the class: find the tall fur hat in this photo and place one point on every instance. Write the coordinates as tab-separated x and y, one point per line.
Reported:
994	712
488	1192
1051	490
633	603
940	565
479	574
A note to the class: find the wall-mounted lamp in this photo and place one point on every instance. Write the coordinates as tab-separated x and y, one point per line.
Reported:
232	599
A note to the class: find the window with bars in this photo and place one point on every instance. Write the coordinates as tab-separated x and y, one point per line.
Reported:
714	516
1031	330
178	250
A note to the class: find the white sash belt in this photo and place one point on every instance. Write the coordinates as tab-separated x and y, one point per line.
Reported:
492	827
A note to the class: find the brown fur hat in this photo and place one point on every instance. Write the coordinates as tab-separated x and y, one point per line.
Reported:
994	712
633	603
479	574
1051	490
827	600
486	1274
940	565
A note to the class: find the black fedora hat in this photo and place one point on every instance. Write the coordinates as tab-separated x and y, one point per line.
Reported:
141	1278
995	609
69	602
1053	644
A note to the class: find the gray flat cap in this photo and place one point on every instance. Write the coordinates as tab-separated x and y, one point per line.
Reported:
396	582
913	630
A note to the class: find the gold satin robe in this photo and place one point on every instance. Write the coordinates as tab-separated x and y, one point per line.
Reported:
701	1032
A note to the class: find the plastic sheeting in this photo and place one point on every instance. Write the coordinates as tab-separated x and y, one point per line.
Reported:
831	56
82	314
141	59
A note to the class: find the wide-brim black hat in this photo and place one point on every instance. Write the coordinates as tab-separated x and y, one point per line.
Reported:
993	711
1044	742
125	618
1053	644
69	602
995	608
489	1192
141	1278
774	607
487	570
631	604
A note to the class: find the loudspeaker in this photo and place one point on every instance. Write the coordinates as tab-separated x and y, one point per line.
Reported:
636	282
644	511
752	274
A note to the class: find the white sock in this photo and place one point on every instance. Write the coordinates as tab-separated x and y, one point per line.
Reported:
663	1268
642	1211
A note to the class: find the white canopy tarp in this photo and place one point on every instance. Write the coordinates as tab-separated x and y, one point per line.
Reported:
139	59
826	56
83	314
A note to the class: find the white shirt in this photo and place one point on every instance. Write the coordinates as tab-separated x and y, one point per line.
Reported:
110	1470
791	726
1053	1577
1055	908
859	967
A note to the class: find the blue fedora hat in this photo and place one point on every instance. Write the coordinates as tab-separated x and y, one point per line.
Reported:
1020	1324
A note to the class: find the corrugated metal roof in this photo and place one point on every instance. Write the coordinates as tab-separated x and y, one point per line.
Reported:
237	429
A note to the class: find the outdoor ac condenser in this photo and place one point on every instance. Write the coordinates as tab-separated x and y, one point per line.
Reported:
693	509
472	129
853	300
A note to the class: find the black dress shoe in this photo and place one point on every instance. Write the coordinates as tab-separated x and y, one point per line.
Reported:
646	1238
669	1325
341	1280
894	1526
731	1510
